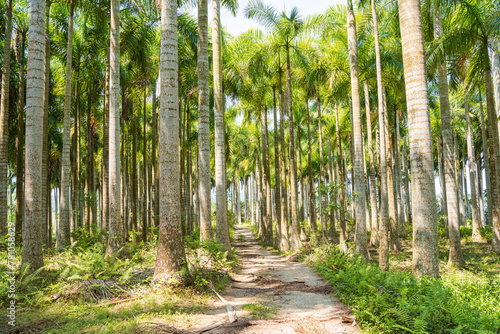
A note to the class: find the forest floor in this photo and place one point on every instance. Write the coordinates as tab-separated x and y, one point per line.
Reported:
267	292
274	294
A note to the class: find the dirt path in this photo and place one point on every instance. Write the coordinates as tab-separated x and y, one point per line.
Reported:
299	301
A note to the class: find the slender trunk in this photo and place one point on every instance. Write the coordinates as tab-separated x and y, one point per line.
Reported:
398	184
189	174
495	68
333	197
170	256
322	173
393	215
220	147
4	116
154	162
116	229
277	172
425	243
268	227
285	242
32	252
144	175
359	186
312	197
105	150
406	184
486	160
204	126
382	114
449	168
63	237
295	240
20	144
341	185
374	237
494	151
134	217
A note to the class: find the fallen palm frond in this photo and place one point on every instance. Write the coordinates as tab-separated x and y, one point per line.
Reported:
96	290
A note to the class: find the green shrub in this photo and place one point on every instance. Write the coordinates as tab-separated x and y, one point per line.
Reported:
398	302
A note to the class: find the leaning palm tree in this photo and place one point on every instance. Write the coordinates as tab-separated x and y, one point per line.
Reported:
63	237
33	228
116	228
425	245
170	256
4	118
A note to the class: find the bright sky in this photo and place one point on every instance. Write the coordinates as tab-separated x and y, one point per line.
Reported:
240	24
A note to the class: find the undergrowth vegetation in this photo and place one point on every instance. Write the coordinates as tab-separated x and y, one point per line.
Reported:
398	302
79	290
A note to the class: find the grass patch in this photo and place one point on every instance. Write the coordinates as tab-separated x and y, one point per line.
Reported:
259	311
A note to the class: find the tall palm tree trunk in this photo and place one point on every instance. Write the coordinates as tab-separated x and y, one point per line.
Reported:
382	114
295	240
268	227
117	231
393	214
20	142
33	224
374	237
322	172
134	180
145	173
494	151
495	68
4	119
486	158
204	125
312	197
359	186
222	230
425	245
285	241
340	180
449	167
63	236
170	256
476	220
45	145
105	150
277	172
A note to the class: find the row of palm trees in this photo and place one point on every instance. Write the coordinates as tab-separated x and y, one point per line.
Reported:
322	63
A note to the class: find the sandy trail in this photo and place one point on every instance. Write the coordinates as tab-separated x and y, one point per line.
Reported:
302	300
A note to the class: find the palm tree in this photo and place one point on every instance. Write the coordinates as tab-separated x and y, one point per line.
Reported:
222	229
475	23
359	186
21	30
449	166
203	124
116	228
32	230
63	237
285	31
4	118
425	245
382	115
476	235
170	256
374	237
